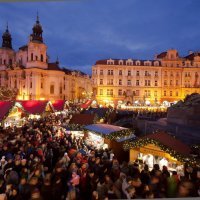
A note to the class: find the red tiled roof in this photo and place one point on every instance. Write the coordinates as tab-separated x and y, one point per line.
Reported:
5	107
33	106
58	105
82	119
169	141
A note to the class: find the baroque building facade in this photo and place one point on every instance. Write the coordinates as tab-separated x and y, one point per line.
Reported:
167	78
29	71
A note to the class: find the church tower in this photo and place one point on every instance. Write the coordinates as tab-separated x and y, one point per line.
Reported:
37	50
7	39
7	54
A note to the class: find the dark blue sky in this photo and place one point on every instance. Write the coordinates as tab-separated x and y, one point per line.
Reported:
80	32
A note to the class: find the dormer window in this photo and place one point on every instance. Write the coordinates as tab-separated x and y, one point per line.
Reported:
110	62
129	62
137	63
147	63
156	63
120	62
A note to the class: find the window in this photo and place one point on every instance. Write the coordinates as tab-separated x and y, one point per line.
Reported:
137	93
165	93
31	56
137	82
120	92
165	73
42	85
120	81
129	82
156	83
177	93
4	61
101	72
137	73
165	82
101	82
110	92
156	73
101	91
60	89
155	93
110	82
171	82
110	72
129	73
146	73
177	82
147	83
10	61
170	93
120	72
31	84
171	74
52	89
36	58
41	58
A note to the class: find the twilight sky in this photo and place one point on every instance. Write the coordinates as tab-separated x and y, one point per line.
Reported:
80	32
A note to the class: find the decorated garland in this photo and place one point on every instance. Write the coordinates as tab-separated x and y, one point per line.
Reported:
143	142
75	127
116	135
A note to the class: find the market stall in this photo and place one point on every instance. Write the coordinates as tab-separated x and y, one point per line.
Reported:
11	114
59	106
36	108
109	136
159	148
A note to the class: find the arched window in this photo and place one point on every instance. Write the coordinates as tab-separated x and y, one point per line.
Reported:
41	58
36	58
31	56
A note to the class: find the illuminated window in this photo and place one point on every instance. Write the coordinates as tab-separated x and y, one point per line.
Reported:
155	93
101	91
170	93
165	93
177	93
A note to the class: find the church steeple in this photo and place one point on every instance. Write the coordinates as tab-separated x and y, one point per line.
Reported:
7	39
37	31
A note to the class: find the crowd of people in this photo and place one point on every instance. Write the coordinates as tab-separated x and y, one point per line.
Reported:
42	161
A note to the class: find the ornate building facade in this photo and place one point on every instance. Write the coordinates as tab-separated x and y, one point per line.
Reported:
168	77
29	71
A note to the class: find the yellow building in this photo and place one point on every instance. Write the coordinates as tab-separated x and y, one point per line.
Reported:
29	71
168	77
